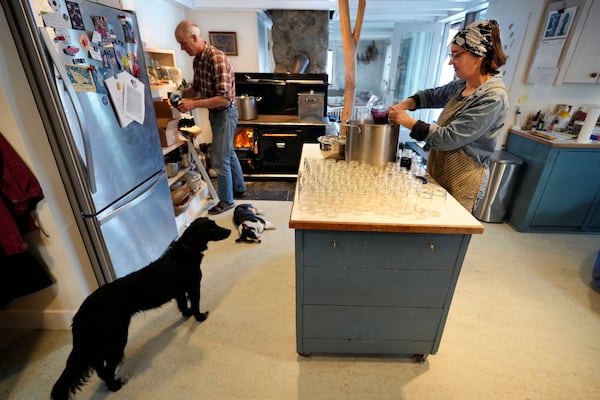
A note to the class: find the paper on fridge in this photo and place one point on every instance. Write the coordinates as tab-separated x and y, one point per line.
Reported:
127	95
116	89
135	107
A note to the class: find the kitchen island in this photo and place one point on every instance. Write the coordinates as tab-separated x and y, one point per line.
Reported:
376	284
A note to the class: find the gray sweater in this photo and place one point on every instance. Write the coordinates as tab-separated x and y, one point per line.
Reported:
475	128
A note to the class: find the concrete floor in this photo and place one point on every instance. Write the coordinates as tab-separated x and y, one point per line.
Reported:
523	324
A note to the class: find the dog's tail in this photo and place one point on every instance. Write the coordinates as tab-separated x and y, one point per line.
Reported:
76	373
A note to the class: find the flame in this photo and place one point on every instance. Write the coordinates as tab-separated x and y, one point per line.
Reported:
244	138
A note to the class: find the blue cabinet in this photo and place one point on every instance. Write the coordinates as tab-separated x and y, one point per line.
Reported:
374	292
558	189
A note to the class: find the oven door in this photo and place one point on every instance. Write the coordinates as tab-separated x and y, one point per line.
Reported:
280	149
245	144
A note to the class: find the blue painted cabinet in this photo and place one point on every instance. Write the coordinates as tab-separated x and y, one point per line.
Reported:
374	292
558	189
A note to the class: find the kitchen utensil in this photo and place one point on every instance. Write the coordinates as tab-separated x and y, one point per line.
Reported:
172	168
367	142
311	106
193	180
247	107
332	147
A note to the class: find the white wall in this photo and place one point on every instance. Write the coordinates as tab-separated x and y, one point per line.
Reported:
157	20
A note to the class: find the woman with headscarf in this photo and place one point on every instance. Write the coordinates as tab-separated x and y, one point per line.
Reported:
474	108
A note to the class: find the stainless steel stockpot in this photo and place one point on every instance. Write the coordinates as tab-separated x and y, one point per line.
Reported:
247	107
370	143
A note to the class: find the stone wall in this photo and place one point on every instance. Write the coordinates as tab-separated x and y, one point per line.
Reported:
297	32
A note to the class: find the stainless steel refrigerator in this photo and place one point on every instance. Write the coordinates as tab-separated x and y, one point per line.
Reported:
107	147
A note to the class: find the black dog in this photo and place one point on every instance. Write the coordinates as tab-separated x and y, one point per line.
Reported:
250	225
100	327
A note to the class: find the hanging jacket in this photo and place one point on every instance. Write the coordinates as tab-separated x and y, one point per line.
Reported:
20	192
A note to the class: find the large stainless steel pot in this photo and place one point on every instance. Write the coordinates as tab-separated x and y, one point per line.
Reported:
247	107
370	143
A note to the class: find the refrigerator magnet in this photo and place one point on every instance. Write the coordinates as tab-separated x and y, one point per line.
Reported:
95	52
54	4
70	50
128	32
81	78
84	41
98	81
75	15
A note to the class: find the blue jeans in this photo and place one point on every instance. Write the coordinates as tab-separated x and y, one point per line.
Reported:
224	160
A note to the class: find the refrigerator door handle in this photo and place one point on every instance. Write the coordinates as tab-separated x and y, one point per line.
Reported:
111	213
89	167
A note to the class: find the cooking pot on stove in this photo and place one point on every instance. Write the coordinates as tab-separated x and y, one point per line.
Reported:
247	107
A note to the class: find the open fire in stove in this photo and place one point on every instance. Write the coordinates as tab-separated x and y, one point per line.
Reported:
244	139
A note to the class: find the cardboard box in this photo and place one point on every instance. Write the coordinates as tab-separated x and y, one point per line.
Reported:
167	129
164	110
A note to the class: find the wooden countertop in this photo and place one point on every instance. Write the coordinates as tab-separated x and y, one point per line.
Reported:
544	138
268	119
453	218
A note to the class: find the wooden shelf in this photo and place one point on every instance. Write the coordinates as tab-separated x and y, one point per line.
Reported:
163	57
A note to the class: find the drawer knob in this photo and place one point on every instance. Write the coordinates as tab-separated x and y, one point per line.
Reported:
432	246
334	244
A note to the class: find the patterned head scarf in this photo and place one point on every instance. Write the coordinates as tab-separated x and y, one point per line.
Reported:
476	37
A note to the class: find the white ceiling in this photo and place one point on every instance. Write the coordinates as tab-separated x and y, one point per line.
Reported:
380	15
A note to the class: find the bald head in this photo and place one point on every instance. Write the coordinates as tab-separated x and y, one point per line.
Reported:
188	36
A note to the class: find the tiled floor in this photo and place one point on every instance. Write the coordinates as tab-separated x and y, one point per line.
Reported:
282	190
261	189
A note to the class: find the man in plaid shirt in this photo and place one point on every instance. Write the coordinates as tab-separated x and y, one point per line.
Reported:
214	88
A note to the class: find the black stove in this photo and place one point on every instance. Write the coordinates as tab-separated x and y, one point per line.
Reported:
271	145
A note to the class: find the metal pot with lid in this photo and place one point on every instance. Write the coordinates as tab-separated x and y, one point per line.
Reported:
247	106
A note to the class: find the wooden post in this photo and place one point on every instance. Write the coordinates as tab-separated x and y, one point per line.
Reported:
350	42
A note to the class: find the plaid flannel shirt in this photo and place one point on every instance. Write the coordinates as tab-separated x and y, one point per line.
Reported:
213	74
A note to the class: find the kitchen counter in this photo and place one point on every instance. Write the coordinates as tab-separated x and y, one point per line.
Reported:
453	217
558	188
372	284
554	139
268	119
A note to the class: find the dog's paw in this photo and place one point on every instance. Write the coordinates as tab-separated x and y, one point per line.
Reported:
201	316
187	312
269	225
116	384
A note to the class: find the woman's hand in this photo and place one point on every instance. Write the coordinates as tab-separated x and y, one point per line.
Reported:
398	116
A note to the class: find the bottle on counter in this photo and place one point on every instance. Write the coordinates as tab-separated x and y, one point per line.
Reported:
518	123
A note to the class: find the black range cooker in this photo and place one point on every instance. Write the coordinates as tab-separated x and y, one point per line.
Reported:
271	144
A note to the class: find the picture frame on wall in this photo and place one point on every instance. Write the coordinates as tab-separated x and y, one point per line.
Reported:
559	23
224	41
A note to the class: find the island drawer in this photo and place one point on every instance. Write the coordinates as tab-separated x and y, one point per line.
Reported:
381	249
376	287
370	323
